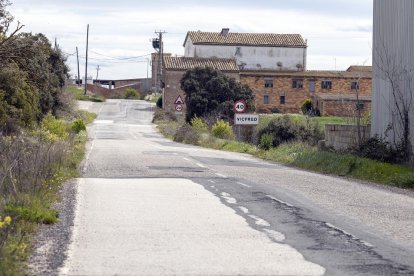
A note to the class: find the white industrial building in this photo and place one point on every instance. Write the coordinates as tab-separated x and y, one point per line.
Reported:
252	51
393	68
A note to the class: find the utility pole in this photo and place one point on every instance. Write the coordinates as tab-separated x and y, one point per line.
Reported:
160	60
97	72
77	57
86	66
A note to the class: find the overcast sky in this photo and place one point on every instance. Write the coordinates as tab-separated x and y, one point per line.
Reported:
339	32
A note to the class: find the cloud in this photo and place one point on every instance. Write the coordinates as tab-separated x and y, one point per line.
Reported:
125	28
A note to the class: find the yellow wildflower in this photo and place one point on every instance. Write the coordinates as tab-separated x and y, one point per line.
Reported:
7	220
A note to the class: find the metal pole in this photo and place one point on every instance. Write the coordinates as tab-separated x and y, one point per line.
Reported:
97	72
77	57
86	66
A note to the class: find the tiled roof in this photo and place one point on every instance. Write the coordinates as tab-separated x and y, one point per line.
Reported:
345	97
246	39
186	63
310	74
359	68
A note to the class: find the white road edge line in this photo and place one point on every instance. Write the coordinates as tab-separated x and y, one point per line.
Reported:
200	165
186	159
244	185
280	201
348	234
221	175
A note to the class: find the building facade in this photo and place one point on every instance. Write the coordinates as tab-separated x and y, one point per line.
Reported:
251	51
334	93
175	67
393	67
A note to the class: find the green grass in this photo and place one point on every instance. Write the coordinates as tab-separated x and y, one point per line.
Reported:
30	210
310	158
322	121
78	93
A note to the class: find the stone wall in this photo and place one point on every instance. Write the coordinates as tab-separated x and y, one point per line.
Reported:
343	108
342	137
109	93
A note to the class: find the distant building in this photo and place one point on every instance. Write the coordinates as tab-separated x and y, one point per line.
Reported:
333	92
273	66
393	57
252	51
175	67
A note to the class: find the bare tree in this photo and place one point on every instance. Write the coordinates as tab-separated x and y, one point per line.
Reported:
399	75
6	19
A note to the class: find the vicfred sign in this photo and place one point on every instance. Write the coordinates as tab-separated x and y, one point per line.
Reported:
246	119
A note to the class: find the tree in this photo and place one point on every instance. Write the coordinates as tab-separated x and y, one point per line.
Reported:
210	91
32	75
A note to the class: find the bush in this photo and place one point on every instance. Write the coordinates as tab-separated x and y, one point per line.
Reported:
78	126
162	115
130	93
159	102
54	129
198	124
308	108
186	134
379	149
222	130
282	129
266	141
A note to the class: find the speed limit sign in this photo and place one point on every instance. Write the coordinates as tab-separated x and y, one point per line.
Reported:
240	106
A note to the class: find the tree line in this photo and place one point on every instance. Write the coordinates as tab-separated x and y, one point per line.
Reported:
32	75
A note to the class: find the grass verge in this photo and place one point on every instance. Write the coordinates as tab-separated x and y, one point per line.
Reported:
79	95
306	157
27	199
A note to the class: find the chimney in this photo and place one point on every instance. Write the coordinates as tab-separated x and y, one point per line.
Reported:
225	31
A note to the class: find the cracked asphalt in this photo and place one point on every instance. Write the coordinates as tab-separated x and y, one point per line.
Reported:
149	206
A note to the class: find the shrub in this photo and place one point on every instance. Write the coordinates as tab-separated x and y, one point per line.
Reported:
198	124
308	109
222	130
130	93
282	129
54	129
379	149
78	126
266	141
162	115
159	102
186	134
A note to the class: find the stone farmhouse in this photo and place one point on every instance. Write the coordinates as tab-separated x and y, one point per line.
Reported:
274	67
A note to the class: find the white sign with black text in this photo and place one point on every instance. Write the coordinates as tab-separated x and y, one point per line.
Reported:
246	119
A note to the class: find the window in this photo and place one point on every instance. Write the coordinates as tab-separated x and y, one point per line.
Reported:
312	86
266	99
268	83
282	99
354	85
297	84
238	51
326	84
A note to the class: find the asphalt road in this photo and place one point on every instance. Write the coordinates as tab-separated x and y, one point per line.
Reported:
149	206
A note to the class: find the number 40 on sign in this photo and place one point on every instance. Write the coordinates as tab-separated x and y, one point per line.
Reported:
240	106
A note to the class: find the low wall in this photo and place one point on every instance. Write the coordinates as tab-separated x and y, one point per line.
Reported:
108	93
341	137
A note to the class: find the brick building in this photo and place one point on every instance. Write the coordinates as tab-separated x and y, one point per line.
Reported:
274	67
174	69
333	92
